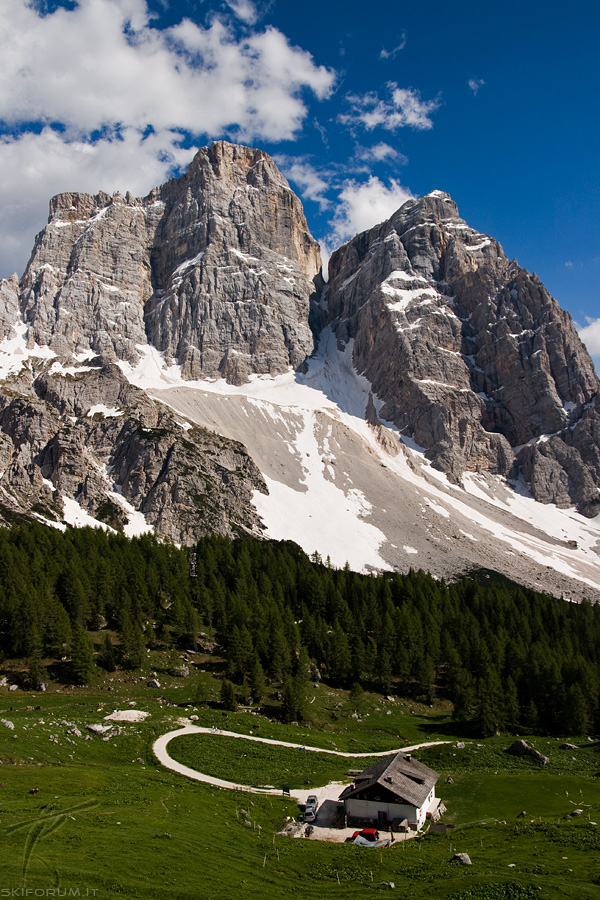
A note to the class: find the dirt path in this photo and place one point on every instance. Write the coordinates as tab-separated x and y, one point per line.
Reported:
160	751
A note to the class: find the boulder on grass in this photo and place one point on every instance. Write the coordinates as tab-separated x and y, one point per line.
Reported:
522	748
463	858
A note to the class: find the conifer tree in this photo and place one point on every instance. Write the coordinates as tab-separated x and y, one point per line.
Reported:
356	697
357	658
511	704
36	670
82	655
57	633
426	677
293	700
339	654
258	684
464	696
576	720
228	699
106	657
300	697
201	692
280	655
245	692
384	672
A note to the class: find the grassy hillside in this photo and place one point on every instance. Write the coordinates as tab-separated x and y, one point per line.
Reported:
146	832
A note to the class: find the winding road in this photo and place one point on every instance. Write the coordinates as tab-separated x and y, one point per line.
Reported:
160	751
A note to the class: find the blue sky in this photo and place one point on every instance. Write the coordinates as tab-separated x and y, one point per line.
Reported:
362	104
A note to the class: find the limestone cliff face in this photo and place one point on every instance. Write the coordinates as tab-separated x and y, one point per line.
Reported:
89	275
216	269
234	268
9	305
465	351
91	436
470	355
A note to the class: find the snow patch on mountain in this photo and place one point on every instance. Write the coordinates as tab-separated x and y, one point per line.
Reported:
107	412
321	516
321	512
136	520
74	514
14	352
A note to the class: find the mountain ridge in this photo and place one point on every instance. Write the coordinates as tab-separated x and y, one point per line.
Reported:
149	337
468	351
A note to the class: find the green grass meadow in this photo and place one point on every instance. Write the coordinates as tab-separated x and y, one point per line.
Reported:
261	765
106	820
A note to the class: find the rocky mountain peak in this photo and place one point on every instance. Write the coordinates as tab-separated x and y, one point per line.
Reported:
215	269
467	352
428	350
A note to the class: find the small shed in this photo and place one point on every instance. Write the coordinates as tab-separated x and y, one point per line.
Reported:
396	792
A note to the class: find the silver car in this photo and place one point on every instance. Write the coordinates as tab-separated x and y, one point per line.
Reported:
310	808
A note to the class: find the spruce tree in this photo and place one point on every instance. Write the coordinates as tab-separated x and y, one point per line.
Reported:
57	633
258	684
133	646
288	700
245	693
356	697
106	657
339	654
36	670
511	704
576	720
82	655
464	696
384	672
202	692
228	699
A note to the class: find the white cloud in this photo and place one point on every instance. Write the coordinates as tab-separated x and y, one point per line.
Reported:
310	181
405	109
47	164
244	10
590	335
101	64
390	54
475	84
326	251
381	153
101	68
363	205
321	183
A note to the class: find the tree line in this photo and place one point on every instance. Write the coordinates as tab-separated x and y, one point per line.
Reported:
509	658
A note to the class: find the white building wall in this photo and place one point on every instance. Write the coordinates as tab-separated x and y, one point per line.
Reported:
368	809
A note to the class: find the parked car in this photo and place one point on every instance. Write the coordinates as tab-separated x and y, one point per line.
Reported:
368	834
310	808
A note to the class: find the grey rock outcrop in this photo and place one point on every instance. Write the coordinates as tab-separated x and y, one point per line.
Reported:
523	748
131	457
216	269
216	272
234	267
9	305
89	275
468	353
